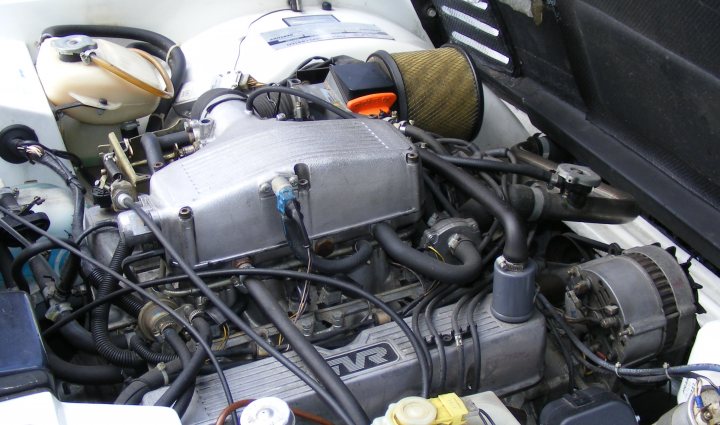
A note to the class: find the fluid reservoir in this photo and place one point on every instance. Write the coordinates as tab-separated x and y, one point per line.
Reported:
96	81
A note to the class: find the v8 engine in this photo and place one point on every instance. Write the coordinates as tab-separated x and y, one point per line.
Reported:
340	238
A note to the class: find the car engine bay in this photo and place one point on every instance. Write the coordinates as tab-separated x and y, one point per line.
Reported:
326	231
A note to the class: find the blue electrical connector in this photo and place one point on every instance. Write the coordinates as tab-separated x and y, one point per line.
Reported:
284	192
284	197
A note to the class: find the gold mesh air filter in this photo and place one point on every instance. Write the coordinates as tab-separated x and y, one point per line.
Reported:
437	89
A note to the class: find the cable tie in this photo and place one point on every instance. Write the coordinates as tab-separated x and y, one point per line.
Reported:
666	366
166	378
617	367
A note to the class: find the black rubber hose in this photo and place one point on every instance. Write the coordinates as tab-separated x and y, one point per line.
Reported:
305	350
52	162
328	265
148	381
244	327
6	260
286	90
475	333
500	167
176	58
26	254
147	48
515	250
458	334
179	318
191	365
415	322
153	152
406	255
439	343
138	346
179	138
83	374
439	196
418	133
80	338
183	402
99	316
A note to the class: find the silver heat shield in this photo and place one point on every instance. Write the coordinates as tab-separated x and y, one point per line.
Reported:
349	173
380	367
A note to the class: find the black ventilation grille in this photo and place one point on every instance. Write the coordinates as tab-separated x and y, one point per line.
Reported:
473	25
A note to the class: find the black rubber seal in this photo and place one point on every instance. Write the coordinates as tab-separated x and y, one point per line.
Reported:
388	63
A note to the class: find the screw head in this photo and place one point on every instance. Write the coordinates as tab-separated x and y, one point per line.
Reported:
265	187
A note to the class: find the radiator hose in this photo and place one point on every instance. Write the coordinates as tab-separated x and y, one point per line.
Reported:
460	274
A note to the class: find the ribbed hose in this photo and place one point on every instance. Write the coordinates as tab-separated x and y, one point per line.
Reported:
99	316
138	346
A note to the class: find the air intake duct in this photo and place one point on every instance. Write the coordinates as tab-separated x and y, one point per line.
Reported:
437	89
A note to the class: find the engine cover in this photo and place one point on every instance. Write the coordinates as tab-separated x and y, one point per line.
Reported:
350	174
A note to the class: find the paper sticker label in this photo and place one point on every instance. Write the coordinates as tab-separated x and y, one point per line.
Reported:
296	35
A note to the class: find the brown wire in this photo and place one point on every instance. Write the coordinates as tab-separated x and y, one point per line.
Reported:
297	412
165	94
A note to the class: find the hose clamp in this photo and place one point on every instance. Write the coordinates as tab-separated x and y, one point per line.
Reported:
455	240
195	314
510	266
56	309
163	371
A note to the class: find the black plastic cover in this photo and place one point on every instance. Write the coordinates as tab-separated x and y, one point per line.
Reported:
22	354
360	79
592	406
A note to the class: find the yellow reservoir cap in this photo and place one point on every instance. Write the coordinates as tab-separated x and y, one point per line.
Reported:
445	409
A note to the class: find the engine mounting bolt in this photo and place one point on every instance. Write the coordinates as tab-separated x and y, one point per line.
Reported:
293	181
412	158
242	263
185	213
431	12
337	318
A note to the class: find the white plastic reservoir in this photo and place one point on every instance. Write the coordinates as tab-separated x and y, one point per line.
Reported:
107	98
